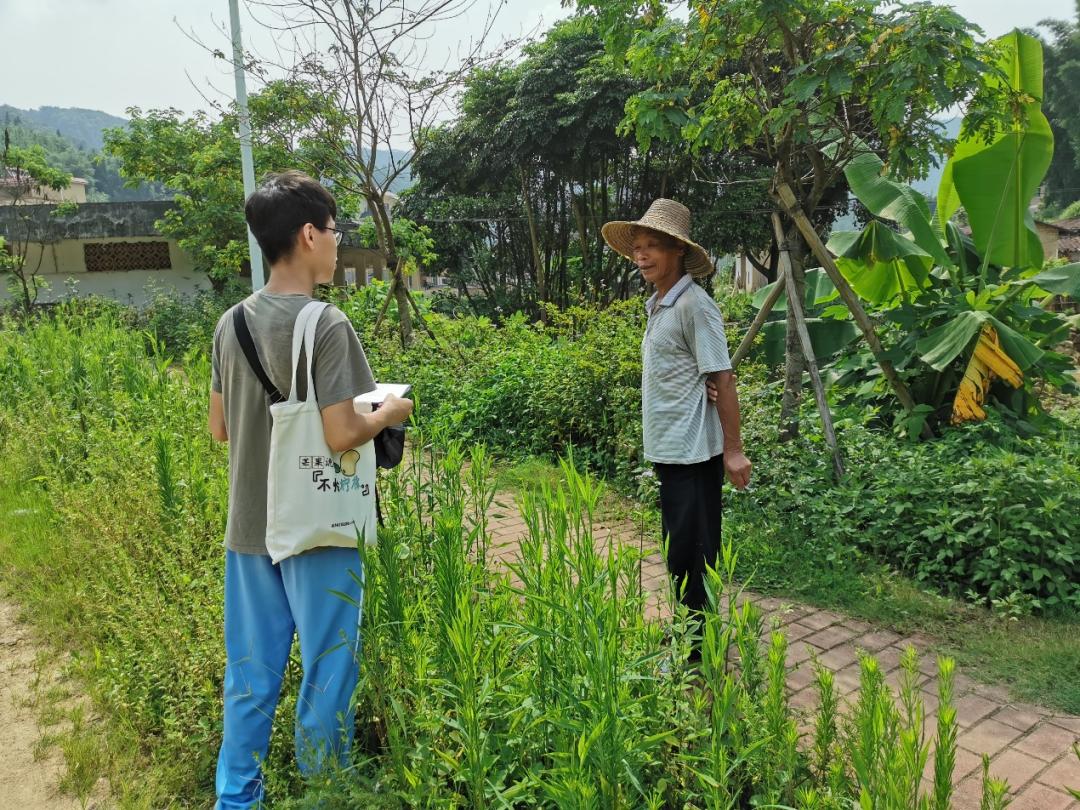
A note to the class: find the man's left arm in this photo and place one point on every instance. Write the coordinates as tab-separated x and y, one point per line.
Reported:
736	463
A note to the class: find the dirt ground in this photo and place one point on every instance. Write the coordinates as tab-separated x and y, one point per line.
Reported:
30	772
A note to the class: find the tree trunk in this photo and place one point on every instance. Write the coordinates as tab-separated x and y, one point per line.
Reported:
534	239
404	304
795	309
794	360
794	210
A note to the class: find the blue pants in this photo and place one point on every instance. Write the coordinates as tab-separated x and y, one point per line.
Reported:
264	604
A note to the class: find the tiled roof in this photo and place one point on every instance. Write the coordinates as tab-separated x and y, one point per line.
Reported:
1068	224
1069	245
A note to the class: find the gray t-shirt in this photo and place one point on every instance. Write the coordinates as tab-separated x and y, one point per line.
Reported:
340	372
684	342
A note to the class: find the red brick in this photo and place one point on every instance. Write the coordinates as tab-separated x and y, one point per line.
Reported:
1047	742
796	654
928	663
878	640
1016	767
789	614
971	709
988	737
838	658
820	619
888	658
800	677
929	700
998	694
895	678
1065	773
767	604
968	794
1069	721
1019	717
830	637
965	763
804	699
847	680
796	631
1040	797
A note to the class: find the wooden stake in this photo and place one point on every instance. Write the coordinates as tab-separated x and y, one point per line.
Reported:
792	208
795	307
759	321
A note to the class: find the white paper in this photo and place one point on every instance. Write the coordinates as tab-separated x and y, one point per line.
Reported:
363	403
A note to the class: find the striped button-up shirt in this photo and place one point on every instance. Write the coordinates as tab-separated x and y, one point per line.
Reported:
684	342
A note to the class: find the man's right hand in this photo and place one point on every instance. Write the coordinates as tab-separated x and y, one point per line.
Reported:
344	428
396	409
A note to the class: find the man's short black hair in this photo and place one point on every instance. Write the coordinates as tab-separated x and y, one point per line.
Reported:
281	206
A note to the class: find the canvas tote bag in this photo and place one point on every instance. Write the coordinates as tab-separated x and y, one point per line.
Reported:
315	497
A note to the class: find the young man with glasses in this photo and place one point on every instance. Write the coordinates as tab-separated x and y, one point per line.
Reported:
292	218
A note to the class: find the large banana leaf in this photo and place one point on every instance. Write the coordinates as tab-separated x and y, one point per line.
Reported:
879	263
819	290
895	201
1064	280
944	344
827	336
995	181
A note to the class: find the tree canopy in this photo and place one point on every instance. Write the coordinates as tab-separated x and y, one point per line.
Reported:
517	188
1062	106
198	158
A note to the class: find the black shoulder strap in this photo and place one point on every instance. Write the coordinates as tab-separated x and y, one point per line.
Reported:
243	335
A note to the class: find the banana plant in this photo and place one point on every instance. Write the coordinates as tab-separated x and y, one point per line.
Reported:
967	310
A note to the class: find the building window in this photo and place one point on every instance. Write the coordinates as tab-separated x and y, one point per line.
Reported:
112	256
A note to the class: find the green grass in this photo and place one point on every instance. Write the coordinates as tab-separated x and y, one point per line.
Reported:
1035	657
476	691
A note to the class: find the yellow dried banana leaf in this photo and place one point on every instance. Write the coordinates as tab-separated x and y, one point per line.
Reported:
988	362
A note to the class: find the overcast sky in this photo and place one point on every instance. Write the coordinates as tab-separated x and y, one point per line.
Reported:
113	54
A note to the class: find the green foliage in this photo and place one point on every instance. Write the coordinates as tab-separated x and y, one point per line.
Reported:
535	152
118	550
412	242
979	513
82	128
197	158
1062	106
995	177
67	149
785	80
526	388
26	170
476	689
936	298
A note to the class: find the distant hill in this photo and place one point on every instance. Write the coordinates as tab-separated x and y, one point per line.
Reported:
80	126
78	158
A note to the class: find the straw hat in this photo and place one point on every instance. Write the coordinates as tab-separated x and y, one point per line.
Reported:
666	216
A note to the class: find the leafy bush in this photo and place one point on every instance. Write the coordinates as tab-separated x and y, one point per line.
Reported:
181	323
980	512
529	388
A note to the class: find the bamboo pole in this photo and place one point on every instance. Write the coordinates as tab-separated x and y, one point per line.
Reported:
759	321
795	307
792	208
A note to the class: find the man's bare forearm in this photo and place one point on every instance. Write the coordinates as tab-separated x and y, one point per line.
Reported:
727	406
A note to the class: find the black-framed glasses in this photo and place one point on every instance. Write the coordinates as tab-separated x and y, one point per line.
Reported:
338	233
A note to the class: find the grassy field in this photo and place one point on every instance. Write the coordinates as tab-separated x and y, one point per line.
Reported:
548	691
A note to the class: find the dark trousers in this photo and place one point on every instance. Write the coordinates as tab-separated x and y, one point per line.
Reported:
691	514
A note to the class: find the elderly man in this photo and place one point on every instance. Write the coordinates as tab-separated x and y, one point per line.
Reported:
690	440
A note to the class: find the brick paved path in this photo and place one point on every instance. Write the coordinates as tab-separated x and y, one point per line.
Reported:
1028	745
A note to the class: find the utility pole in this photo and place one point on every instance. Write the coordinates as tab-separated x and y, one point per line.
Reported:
247	167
